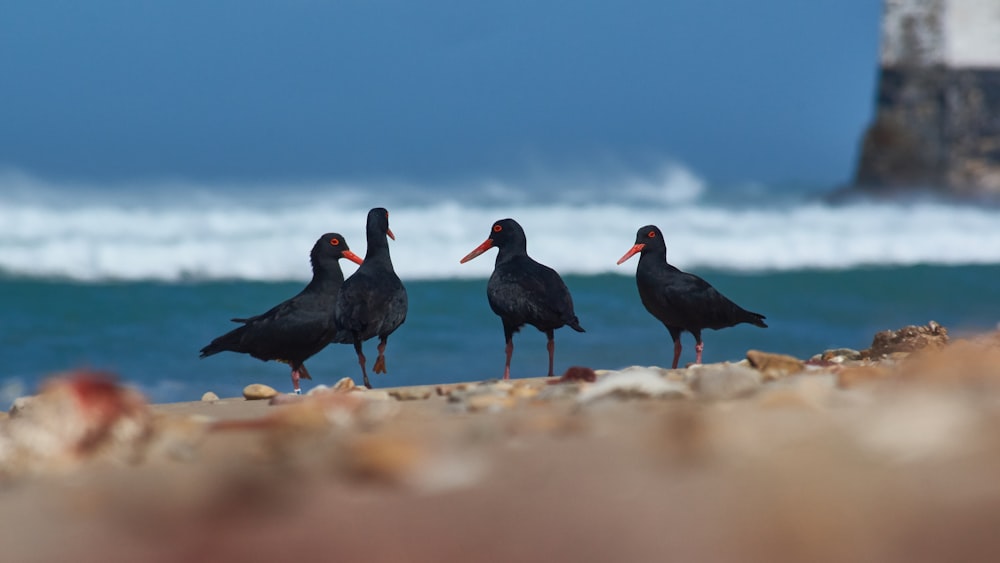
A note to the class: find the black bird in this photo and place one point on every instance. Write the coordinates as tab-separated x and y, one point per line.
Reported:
681	301
372	302
522	291
296	329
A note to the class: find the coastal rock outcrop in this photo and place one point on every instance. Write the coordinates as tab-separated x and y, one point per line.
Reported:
935	127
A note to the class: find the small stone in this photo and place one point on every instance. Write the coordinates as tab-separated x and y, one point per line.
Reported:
575	374
412	393
501	385
21	405
258	391
840	355
209	397
717	382
632	382
774	366
344	385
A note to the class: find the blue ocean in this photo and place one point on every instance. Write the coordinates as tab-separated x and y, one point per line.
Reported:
135	279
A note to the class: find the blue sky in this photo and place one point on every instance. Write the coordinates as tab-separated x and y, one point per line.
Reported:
434	90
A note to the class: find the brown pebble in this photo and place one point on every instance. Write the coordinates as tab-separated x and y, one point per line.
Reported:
258	391
774	366
412	393
344	385
576	374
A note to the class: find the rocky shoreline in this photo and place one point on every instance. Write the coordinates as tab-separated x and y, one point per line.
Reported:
886	454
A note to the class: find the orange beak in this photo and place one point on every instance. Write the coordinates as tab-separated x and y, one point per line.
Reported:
388	231
351	256
631	252
487	244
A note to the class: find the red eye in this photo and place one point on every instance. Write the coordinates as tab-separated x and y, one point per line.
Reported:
497	228
652	234
335	242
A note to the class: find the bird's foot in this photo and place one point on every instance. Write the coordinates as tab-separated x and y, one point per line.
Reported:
367	383
296	391
380	364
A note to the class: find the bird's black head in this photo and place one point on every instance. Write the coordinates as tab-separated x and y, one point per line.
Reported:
332	246
647	239
650	235
505	233
378	223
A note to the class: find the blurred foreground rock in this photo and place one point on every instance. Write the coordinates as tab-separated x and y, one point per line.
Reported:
843	457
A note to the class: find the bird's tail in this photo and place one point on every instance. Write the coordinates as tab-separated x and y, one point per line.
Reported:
755	319
574	324
229	342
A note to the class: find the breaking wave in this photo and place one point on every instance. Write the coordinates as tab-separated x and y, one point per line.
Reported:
175	232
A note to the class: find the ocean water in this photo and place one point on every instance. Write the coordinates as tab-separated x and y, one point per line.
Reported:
136	279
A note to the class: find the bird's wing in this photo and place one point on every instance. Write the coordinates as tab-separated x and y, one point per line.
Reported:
699	302
531	293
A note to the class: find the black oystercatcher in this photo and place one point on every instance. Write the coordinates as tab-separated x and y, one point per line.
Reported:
373	302
298	328
681	301
522	291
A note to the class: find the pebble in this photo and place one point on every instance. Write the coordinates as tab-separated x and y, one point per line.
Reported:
719	382
258	391
209	396
642	383
21	404
412	393
774	366
344	385
840	355
575	374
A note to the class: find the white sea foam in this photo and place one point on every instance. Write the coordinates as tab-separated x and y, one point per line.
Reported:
192	232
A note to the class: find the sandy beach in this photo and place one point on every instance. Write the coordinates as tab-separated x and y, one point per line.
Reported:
887	454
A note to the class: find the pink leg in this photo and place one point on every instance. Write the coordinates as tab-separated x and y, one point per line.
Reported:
380	360
361	361
697	352
510	352
552	352
677	353
364	372
298	374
